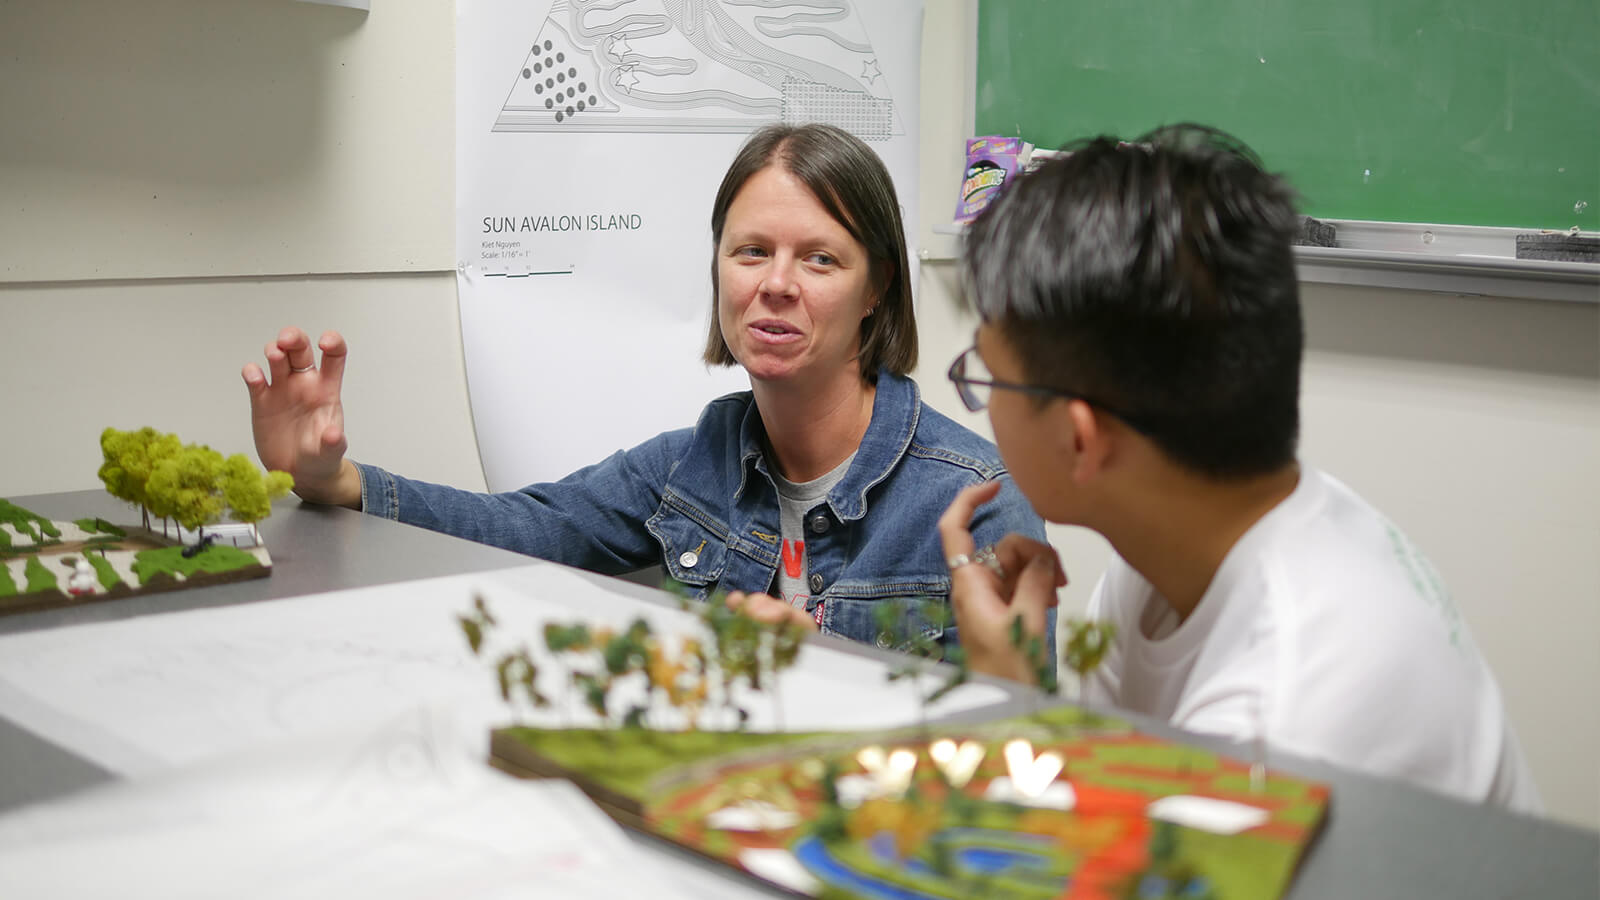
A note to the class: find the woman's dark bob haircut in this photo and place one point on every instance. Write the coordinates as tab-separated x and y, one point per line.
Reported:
851	183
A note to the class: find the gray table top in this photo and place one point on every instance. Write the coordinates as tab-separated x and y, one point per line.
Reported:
1381	838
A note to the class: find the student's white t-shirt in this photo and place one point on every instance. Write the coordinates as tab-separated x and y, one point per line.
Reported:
1327	632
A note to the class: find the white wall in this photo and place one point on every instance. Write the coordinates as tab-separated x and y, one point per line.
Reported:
305	143
224	137
159	158
166	353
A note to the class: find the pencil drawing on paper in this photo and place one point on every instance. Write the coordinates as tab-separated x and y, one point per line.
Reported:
726	66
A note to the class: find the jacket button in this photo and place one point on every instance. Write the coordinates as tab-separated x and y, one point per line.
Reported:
819	524
688	559
816	584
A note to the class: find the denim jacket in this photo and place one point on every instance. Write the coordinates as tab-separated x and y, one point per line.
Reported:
701	503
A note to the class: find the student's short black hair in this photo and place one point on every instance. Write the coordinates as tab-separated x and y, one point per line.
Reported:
1155	277
853	185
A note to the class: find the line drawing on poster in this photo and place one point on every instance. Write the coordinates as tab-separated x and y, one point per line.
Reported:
680	66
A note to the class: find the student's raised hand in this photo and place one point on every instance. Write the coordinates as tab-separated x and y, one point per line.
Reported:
1021	581
769	610
298	419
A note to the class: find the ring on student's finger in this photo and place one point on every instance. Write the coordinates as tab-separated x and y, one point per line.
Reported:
983	555
296	370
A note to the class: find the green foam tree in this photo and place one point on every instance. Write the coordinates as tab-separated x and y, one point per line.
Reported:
192	484
1086	647
248	491
186	485
130	459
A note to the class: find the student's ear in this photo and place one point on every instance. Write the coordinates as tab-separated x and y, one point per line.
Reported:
1092	442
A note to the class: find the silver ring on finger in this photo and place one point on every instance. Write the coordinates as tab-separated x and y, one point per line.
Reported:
984	556
296	370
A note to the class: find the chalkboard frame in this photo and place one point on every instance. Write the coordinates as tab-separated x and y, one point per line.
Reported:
1444	257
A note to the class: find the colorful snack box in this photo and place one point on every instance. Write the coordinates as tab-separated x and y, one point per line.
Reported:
991	161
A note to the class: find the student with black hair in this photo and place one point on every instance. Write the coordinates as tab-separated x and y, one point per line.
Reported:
1139	354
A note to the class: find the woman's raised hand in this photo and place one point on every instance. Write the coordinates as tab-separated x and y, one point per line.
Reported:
298	419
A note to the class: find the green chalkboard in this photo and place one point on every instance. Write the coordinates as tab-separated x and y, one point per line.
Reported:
1469	112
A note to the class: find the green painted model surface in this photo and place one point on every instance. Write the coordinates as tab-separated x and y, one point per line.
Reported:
104	571
628	760
99	527
39	578
25	522
215	558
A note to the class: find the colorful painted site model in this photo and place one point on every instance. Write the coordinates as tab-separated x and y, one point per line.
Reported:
46	563
1059	803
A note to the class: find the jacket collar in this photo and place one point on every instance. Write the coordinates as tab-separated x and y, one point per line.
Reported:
895	412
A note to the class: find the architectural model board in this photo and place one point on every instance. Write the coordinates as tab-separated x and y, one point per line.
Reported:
45	563
1112	813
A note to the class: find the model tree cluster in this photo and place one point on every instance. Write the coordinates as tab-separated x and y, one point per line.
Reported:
191	484
735	649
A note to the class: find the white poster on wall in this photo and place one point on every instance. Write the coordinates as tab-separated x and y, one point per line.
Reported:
591	137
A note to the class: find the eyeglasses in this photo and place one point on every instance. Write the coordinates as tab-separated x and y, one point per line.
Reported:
974	391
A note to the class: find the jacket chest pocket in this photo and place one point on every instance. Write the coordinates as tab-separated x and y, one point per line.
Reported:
691	553
893	623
